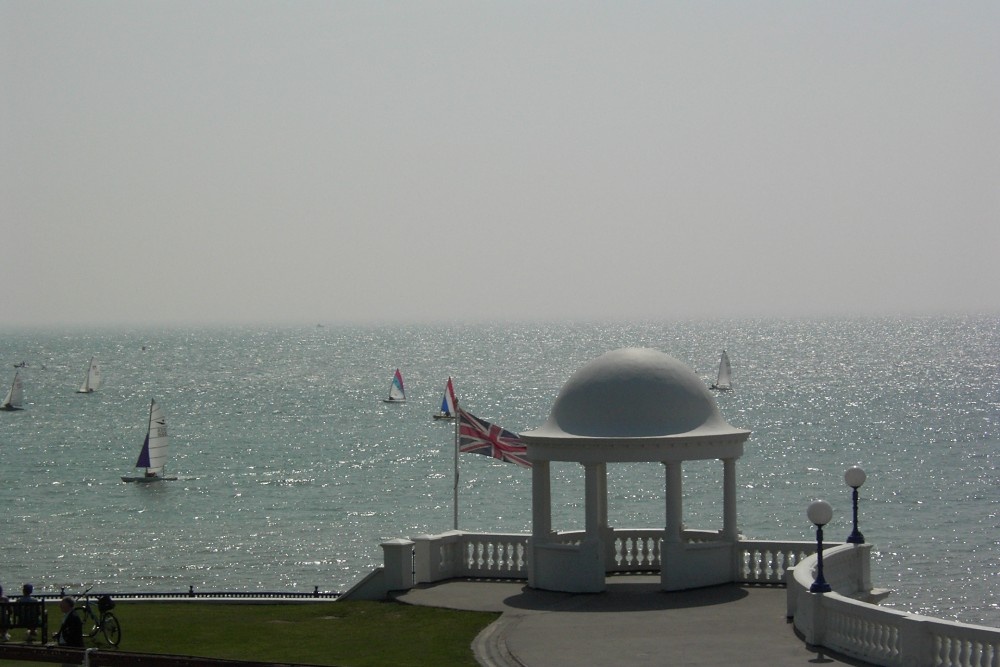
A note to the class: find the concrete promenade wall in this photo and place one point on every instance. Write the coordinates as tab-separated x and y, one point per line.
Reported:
844	620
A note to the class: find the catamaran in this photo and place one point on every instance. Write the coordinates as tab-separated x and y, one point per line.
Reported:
725	380
155	448
15	395
448	403
396	392
92	380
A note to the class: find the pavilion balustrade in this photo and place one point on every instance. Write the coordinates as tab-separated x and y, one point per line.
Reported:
767	561
505	555
843	620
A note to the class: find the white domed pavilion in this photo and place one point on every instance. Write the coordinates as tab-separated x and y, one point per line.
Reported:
631	405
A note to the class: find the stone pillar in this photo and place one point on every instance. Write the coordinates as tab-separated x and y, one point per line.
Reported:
541	501
594	503
673	532
541	517
397	557
603	518
730	532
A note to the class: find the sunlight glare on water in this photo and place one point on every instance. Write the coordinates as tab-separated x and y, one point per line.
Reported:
292	469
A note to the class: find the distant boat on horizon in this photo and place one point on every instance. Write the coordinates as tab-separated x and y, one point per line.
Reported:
724	382
155	449
397	394
92	380
15	395
448	402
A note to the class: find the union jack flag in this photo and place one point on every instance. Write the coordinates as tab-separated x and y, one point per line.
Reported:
478	436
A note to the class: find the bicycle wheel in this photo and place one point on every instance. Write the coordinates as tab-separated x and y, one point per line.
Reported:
87	621
112	630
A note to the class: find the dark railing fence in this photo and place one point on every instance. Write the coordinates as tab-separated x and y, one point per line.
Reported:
191	593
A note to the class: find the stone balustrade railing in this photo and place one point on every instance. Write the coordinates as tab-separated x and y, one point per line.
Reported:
842	622
634	551
505	555
767	561
460	554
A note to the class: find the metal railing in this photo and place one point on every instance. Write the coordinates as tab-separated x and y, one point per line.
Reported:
192	594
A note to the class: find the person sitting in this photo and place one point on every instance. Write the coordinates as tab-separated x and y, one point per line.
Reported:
26	597
4	635
71	631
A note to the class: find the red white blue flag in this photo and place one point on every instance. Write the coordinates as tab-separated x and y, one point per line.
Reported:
478	436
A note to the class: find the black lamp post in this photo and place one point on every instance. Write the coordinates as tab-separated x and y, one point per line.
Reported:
819	513
855	477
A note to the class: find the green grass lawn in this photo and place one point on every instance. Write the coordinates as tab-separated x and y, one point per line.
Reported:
345	634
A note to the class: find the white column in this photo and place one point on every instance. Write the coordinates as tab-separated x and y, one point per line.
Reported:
593	501
397	557
730	532
604	496
674	494
541	502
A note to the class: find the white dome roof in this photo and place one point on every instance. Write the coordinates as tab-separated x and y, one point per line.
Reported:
633	393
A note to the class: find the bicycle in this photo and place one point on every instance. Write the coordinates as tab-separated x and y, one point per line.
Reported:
103	621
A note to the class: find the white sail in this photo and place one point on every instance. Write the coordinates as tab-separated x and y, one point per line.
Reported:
92	380
725	379
157	441
15	395
155	448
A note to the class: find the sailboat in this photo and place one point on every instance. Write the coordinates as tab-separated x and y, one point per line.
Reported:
396	392
92	380
15	395
725	379
153	456
448	403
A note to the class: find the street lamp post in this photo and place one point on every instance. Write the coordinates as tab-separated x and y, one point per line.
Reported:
855	477
819	513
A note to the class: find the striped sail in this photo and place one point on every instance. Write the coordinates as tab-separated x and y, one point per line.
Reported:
448	402
396	391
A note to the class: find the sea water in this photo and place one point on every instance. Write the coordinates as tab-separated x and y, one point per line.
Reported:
292	469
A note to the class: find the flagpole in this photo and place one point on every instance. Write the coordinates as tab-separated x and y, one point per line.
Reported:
458	419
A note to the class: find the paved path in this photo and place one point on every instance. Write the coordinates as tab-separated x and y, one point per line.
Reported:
631	623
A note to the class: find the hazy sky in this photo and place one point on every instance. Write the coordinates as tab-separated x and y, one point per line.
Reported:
305	162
